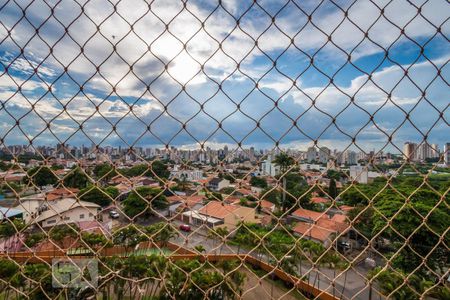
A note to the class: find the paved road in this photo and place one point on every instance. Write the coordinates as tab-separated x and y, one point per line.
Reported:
348	285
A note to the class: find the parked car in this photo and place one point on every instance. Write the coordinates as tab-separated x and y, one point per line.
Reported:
344	247
114	214
185	227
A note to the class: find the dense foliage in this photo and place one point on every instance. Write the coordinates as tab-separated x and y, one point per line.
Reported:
406	209
277	242
41	176
258	182
76	178
142	200
156	169
100	196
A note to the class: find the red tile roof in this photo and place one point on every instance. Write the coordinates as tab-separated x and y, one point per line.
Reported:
217	209
232	199
332	225
317	200
62	193
339	218
313	231
244	192
346	208
309	214
266	204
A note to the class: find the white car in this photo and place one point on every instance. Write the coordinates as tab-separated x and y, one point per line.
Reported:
114	214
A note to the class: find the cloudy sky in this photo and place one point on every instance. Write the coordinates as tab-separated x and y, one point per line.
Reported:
267	72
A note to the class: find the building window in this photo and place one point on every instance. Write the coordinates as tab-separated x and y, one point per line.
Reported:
82	216
66	218
51	221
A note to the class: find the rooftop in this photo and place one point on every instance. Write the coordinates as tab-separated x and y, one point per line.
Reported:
309	214
7	212
217	209
318	200
313	231
62	206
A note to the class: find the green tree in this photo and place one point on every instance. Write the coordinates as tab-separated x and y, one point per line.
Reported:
332	189
202	280
94	240
356	196
112	191
214	196
156	169
142	200
11	187
40	279
41	176
219	233
229	177
160	233
76	179
104	171
34	239
284	161
271	195
95	195
8	268
392	283
127	237
200	248
9	228
160	169
258	182
58	233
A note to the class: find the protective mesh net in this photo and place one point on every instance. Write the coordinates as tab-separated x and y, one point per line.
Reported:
224	149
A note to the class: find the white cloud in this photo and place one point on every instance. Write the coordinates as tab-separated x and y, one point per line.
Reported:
144	48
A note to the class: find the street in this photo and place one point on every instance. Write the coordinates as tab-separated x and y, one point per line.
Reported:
351	284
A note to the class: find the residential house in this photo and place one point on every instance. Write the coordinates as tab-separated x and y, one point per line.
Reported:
319	226
315	233
308	216
65	211
188	175
218	214
320	202
324	230
216	184
34	204
179	204
267	206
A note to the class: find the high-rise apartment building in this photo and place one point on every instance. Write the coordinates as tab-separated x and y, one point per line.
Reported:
409	151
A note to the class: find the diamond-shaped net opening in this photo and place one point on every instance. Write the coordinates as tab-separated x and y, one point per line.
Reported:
224	149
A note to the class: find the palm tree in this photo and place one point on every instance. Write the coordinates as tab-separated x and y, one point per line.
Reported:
233	280
299	254
165	234
183	183
156	273
221	232
160	233
128	237
284	161
240	239
200	248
